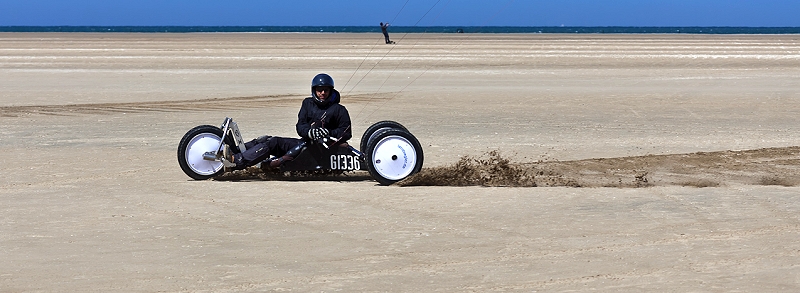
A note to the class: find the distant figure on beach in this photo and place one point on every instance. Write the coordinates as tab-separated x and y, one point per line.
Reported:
384	26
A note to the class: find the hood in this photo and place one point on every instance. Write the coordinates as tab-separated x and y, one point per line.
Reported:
333	99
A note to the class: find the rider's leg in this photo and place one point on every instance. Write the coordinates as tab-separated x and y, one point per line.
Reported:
257	140
285	149
257	150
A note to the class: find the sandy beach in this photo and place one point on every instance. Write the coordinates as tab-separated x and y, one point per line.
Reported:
662	163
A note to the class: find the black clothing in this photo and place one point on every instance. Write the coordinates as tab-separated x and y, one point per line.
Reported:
385	32
330	115
262	148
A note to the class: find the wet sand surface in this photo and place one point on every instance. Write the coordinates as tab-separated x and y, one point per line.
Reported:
661	163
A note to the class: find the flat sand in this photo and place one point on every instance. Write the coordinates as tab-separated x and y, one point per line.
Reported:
661	163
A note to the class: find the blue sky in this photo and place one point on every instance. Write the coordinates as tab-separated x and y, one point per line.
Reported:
403	12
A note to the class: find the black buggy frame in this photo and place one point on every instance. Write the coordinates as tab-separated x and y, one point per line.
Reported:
392	152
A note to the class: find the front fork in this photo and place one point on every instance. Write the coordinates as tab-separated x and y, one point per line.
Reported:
229	128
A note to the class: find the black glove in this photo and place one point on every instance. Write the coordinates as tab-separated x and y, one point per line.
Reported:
318	133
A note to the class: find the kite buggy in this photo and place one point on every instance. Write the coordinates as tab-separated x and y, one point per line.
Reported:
388	151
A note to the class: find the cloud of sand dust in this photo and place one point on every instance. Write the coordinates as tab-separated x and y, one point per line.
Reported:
769	166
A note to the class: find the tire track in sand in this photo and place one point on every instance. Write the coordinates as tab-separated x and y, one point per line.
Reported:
157	106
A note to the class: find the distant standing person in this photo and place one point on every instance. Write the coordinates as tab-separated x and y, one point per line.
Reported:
384	26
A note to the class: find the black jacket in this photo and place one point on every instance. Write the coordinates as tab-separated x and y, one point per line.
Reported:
332	116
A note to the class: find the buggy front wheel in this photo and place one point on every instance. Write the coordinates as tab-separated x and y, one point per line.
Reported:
194	144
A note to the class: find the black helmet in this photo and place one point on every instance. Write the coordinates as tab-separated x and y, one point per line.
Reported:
321	79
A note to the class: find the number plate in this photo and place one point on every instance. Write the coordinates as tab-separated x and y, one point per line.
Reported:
345	162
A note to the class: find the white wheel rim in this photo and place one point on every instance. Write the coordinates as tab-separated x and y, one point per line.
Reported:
375	133
199	145
394	157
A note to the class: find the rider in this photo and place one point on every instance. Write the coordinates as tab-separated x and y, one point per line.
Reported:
385	26
321	116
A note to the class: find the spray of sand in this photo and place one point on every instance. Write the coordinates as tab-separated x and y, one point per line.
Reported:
769	166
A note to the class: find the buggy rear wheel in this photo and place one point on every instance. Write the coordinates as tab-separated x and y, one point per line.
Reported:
374	128
195	143
392	155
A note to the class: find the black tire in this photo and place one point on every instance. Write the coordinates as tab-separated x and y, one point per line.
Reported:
194	143
388	154
386	124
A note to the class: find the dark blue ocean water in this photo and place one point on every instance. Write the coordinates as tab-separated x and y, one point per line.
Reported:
411	29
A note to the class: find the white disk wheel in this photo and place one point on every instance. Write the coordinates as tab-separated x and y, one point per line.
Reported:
375	128
393	155
195	143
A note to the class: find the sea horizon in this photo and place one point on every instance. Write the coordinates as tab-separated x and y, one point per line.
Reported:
415	29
